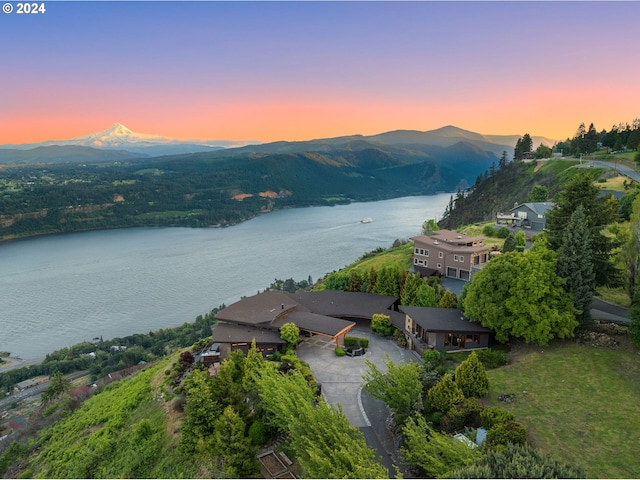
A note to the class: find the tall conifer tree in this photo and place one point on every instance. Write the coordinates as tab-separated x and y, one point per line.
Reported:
598	212
575	263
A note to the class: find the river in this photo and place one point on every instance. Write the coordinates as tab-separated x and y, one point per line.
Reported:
59	290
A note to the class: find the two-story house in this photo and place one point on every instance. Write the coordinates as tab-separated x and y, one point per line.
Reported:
450	254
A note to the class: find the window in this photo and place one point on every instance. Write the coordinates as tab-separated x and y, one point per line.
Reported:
439	254
439	265
462	258
417	251
426	253
476	260
455	258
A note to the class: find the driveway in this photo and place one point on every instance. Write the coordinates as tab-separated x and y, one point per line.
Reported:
341	380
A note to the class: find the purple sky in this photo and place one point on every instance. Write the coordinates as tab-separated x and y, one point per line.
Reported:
299	70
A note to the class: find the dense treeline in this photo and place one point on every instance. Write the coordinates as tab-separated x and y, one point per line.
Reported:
586	140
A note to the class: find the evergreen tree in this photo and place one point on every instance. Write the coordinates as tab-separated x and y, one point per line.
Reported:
590	140
387	282
373	279
354	281
426	296
575	264
445	394
58	385
472	378
448	300
581	191
517	461
236	454
503	160
509	243
409	292
434	454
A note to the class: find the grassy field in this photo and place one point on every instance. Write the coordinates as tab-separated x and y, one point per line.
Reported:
614	183
399	256
579	403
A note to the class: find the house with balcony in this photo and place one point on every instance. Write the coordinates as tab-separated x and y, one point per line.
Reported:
527	215
449	254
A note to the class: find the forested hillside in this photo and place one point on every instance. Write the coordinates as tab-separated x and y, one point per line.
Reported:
203	190
499	189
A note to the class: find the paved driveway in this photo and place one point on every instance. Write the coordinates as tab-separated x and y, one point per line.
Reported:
341	377
341	380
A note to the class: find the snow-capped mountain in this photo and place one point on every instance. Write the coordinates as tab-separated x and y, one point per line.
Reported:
120	137
117	136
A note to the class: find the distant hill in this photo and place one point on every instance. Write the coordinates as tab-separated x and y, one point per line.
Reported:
405	139
64	154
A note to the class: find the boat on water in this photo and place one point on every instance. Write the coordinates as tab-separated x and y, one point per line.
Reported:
366	220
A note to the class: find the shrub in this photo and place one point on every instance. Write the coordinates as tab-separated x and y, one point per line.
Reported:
503	232
495	416
340	352
492	358
463	414
505	433
488	231
364	342
520	248
433	357
257	433
400	338
275	356
381	324
350	341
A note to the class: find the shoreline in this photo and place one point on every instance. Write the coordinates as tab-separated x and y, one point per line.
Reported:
18	362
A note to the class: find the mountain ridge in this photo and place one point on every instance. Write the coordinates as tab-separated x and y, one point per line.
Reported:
120	137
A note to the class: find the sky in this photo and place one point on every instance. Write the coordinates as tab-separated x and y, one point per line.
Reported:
267	71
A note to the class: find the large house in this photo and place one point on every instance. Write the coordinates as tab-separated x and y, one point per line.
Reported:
333	314
328	313
449	254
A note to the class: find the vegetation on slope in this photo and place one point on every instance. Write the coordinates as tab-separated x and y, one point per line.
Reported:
120	432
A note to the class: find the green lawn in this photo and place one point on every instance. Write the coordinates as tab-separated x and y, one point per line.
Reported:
399	256
580	405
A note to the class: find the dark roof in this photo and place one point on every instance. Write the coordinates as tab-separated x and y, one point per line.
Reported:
226	333
397	319
343	304
263	309
443	320
539	208
315	323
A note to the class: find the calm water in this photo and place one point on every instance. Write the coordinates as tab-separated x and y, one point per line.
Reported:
60	290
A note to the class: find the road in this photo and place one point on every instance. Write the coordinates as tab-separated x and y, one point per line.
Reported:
620	167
